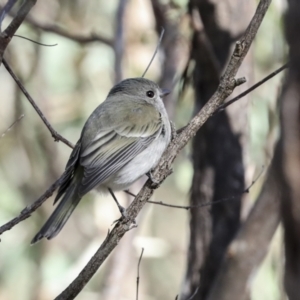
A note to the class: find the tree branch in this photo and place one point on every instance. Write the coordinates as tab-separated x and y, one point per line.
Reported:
252	88
8	33
55	135
81	39
187	207
28	210
226	87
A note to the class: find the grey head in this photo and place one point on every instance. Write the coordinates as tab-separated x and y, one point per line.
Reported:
139	89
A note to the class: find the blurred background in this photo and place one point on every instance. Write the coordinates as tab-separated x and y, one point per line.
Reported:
100	43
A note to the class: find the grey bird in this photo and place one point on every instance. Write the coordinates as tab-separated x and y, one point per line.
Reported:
122	140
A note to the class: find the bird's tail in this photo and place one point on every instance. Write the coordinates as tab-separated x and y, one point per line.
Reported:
60	215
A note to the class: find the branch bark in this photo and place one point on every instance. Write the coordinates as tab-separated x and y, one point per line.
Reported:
226	87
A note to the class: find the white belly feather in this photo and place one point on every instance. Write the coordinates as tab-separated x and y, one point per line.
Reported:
140	165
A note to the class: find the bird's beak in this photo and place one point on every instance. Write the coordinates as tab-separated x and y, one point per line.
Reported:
165	92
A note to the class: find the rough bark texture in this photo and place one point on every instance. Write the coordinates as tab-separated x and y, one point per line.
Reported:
251	244
217	147
290	120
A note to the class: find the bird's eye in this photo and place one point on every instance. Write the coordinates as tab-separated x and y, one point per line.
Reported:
150	94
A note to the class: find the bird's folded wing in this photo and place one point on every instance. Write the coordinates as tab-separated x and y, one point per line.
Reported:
69	171
112	148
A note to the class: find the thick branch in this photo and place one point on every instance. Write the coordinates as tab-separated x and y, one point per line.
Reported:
227	85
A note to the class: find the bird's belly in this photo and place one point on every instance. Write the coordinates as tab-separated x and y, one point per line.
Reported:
138	167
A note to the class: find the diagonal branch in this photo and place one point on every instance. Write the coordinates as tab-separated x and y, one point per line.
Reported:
55	135
163	170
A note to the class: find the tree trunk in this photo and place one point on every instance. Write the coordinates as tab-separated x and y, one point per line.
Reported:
290	121
218	148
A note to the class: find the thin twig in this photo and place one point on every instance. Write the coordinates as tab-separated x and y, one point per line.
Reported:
138	275
28	210
156	50
11	126
35	42
55	135
253	87
225	88
246	191
243	94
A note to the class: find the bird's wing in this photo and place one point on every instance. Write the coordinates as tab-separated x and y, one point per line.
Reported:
69	171
113	147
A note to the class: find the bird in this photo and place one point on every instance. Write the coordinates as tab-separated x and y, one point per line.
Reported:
122	140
